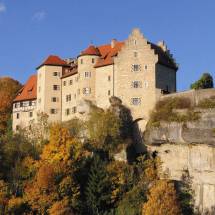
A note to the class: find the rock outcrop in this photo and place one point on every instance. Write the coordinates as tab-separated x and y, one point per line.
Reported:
188	146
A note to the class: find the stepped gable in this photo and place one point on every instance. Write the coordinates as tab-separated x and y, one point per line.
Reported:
29	91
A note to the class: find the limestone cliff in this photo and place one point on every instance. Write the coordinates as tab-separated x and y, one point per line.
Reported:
188	145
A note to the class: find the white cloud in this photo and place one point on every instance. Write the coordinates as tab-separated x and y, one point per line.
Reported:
2	7
39	16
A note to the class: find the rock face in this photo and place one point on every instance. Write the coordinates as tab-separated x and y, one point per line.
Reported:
188	146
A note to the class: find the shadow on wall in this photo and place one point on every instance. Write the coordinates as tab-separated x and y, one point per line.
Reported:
129	128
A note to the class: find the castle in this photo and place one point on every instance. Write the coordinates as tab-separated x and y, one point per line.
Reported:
135	70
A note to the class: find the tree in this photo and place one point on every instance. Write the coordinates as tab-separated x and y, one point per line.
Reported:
55	177
98	193
8	91
206	81
162	200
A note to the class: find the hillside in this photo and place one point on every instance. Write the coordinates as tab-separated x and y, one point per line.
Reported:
183	136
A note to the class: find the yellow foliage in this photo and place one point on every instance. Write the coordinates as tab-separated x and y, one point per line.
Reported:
116	171
3	194
14	203
61	208
162	200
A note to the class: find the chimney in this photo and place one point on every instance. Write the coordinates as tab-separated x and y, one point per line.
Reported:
163	45
113	43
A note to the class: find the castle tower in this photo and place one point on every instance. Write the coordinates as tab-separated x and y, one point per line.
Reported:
86	62
49	87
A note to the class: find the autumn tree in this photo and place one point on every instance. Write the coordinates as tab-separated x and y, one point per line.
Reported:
162	199
55	179
8	91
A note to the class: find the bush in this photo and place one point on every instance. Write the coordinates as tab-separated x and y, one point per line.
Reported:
207	103
164	111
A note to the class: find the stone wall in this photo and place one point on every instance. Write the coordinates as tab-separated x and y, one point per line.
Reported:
195	96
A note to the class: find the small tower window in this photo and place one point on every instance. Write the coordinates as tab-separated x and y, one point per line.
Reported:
135	54
93	60
81	61
109	92
109	78
17	115
30	114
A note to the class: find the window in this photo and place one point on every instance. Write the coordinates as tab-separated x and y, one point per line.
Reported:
53	111
109	78
87	74
93	60
136	101
67	112
136	84
21	104
136	68
81	61
64	83
146	84
56	74
30	103
74	109
135	54
56	87
135	42
17	115
30	114
70	82
109	92
145	67
86	90
54	99
16	105
17	127
68	98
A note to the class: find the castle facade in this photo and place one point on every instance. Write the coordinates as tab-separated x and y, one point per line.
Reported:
135	70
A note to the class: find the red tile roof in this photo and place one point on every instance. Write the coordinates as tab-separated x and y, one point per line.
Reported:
29	91
107	54
91	50
53	60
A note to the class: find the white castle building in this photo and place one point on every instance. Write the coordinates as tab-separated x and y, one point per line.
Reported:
135	70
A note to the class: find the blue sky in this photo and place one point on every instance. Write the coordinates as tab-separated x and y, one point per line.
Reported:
30	30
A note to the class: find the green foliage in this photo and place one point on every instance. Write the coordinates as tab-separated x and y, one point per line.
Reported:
206	81
98	193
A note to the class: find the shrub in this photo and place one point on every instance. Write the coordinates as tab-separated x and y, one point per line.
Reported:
206	81
207	103
164	111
